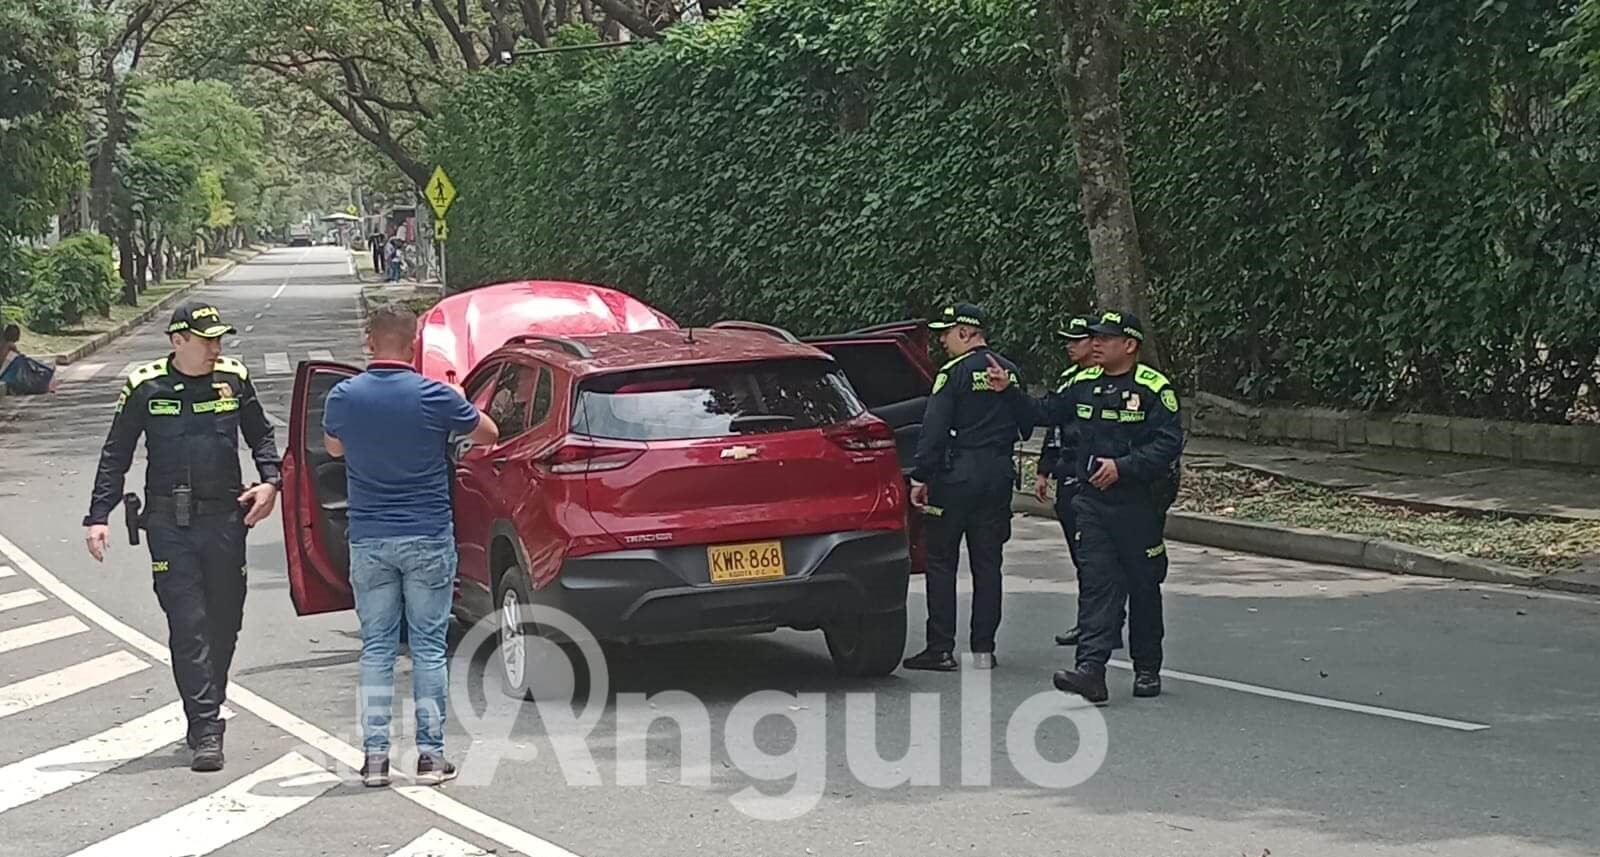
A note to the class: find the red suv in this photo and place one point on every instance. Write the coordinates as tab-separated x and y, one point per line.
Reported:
662	483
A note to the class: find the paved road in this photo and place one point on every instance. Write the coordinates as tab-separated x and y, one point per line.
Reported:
1314	710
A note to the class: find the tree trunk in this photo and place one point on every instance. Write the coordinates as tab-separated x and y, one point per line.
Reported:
104	178
1087	73
129	268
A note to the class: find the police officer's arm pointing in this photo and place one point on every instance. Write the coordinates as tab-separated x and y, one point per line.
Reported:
115	458
1050	409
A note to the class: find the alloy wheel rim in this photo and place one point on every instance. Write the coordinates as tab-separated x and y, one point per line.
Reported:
512	655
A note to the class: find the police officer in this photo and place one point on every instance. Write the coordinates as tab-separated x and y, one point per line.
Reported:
191	407
1057	456
1130	439
962	481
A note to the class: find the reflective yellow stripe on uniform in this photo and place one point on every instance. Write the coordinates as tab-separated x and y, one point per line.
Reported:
233	367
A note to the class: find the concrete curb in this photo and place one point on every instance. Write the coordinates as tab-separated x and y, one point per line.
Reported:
101	340
1307	545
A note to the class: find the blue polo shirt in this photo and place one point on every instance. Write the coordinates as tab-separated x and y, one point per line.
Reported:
396	426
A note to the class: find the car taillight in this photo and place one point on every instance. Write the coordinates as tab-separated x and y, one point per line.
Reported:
580	455
872	434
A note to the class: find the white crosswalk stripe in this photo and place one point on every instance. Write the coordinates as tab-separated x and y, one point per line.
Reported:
81	371
271	363
19	598
53	686
5	571
40	632
227	815
437	843
54	770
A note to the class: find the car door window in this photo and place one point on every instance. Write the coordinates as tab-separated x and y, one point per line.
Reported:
543	393
512	396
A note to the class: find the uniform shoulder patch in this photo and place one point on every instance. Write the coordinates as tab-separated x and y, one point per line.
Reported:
1144	376
939	382
1088	374
1169	399
147	372
232	366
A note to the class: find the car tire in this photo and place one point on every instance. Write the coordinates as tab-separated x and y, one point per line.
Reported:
530	666
868	645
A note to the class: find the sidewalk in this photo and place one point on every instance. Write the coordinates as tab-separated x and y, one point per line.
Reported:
1425	482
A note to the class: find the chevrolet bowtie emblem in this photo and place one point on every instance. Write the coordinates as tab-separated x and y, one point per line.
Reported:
739	453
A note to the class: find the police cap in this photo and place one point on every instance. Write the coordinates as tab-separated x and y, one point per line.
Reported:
200	319
960	313
1114	323
1076	327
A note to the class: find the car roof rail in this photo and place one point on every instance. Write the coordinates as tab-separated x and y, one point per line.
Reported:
758	327
571	346
878	328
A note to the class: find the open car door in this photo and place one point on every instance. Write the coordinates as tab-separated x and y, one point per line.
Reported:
315	508
889	367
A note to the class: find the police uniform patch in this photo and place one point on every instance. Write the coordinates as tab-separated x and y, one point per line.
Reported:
1170	399
938	383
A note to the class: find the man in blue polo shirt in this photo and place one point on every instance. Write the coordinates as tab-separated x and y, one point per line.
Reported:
393	428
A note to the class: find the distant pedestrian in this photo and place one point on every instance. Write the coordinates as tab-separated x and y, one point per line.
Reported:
1129	444
375	243
961	480
393	427
19	373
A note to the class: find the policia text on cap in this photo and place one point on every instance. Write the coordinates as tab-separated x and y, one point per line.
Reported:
1129	441
191	406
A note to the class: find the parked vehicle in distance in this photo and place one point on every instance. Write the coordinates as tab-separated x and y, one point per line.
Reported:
654	483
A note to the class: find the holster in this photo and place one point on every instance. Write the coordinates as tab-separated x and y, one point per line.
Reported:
135	521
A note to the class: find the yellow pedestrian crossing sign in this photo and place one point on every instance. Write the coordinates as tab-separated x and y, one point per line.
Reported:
441	230
440	192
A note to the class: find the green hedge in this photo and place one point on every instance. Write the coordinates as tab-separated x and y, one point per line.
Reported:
74	278
1370	203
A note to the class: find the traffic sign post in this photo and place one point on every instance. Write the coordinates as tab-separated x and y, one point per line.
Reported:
440	193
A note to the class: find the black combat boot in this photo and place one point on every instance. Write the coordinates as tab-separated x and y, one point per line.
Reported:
1086	682
1147	683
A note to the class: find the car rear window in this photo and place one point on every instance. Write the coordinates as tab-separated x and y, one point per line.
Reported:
714	400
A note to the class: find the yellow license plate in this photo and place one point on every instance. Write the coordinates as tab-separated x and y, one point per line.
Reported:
746	562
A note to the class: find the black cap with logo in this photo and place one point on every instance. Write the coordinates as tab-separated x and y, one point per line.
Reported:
1077	327
200	319
961	313
1118	324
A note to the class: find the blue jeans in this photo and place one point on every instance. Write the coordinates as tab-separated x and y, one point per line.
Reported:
412	577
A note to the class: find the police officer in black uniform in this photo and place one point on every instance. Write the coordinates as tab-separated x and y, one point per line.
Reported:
962	480
191	406
1058	456
1130	439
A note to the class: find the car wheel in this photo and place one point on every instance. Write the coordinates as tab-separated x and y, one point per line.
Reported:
531	667
869	645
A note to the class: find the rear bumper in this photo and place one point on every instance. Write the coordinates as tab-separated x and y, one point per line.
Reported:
666	592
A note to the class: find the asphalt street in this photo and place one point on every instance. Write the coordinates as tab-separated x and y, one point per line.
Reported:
1308	710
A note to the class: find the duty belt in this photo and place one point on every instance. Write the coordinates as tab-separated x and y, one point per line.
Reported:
197	506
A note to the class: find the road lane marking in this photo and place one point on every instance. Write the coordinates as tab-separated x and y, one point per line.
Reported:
428	798
437	843
279	292
20	598
66	766
1323	702
278	363
128	369
40	632
320	354
65	682
225	816
248	328
5	571
81	371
